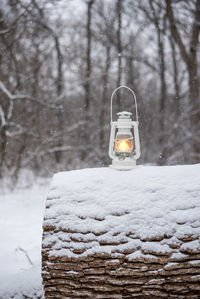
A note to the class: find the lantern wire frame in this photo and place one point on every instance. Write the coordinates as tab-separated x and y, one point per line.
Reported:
134	96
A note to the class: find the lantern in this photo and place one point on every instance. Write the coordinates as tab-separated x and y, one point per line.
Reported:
124	146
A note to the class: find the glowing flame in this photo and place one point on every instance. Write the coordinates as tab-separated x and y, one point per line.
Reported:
124	145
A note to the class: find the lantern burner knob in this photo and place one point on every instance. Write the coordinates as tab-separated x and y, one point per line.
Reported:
124	114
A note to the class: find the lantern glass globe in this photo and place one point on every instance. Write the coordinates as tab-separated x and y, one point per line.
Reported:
124	144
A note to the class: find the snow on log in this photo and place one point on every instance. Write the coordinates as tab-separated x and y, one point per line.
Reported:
118	234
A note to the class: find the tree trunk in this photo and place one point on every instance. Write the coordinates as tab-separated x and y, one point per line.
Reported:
60	111
119	49
163	94
103	102
19	160
59	85
88	58
175	77
190	59
131	74
3	143
86	135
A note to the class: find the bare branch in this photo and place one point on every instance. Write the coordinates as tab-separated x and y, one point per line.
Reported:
10	95
26	254
2	116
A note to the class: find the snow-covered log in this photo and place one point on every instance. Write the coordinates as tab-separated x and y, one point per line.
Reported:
118	234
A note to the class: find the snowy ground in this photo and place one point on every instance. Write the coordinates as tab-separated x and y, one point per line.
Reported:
20	234
22	214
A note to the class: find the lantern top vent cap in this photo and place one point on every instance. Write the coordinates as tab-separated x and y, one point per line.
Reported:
124	114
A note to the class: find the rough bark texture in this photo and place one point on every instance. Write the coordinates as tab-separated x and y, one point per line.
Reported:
116	276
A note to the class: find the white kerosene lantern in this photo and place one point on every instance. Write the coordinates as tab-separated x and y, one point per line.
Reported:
124	147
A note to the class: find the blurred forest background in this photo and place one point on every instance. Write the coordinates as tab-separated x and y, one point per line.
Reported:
60	60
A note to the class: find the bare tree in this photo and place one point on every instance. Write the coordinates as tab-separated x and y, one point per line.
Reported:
87	83
189	56
104	97
155	15
175	78
119	49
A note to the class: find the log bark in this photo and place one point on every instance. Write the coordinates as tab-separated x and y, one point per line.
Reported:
117	276
101	241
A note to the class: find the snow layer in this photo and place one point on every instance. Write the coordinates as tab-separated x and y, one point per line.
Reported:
110	211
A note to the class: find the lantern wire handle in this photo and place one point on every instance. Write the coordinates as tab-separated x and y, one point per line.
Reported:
124	86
